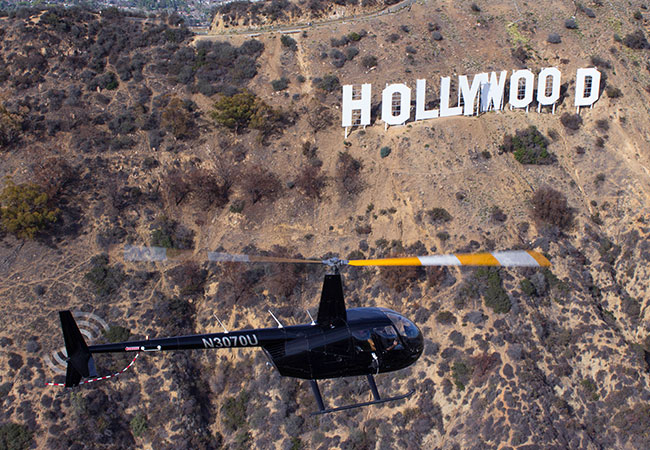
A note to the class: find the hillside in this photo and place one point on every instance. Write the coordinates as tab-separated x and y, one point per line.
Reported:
122	123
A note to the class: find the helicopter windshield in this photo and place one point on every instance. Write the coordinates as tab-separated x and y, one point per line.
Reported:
404	326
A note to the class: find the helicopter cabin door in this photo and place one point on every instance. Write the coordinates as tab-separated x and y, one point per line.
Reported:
330	352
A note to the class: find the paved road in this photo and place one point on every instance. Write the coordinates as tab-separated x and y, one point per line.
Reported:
296	28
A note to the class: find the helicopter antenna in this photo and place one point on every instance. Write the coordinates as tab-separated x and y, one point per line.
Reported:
220	323
276	319
312	319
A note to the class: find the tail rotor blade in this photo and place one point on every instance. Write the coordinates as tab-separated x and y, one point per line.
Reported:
512	258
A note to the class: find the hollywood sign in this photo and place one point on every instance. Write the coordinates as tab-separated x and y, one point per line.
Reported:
485	93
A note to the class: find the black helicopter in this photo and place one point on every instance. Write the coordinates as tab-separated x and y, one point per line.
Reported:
339	343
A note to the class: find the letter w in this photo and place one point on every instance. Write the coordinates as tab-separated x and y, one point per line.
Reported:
492	92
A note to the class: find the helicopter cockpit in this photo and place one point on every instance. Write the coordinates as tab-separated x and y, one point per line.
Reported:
389	338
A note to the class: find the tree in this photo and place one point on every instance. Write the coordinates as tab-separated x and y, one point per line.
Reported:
15	436
289	42
10	127
25	210
551	206
348	172
207	189
311	182
177	119
258	183
53	174
236	111
269	120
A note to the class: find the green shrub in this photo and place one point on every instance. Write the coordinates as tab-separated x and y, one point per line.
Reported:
14	436
494	295
443	235
497	214
354	36
553	38
107	80
460	373
636	40
296	443
590	387
329	83
527	287
242	441
170	234
5	388
233	411
104	278
24	209
571	24
289	42
571	121
529	146
138	424
369	61
438	215
237	206
445	318
280	84
613	92
384	152
116	333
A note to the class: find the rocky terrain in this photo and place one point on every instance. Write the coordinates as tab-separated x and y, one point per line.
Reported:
120	130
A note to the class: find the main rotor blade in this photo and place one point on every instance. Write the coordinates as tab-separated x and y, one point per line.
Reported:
511	258
145	253
227	257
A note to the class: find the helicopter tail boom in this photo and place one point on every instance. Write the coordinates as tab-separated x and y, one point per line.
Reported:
80	361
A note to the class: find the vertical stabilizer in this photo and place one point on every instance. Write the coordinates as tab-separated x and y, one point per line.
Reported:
331	311
80	362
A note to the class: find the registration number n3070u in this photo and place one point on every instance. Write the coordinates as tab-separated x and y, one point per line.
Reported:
244	340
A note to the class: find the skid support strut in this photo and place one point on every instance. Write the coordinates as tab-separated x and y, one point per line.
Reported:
377	400
373	387
316	391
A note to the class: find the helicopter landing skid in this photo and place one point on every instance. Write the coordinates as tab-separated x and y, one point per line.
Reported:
373	387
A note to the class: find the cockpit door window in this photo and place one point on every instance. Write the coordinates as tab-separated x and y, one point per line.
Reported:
386	338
